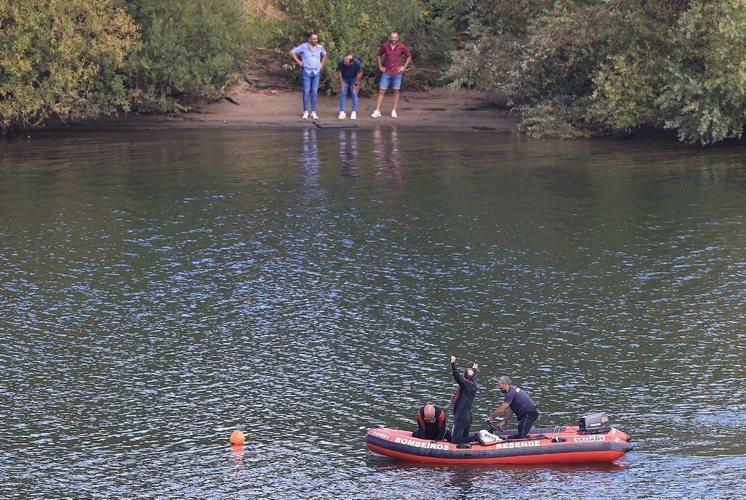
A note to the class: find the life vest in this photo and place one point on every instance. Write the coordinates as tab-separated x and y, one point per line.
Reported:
440	418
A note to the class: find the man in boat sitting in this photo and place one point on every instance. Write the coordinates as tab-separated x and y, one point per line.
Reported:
517	402
462	401
431	423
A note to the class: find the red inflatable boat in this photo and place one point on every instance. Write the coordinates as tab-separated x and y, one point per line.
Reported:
558	445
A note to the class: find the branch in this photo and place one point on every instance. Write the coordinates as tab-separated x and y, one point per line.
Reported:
243	72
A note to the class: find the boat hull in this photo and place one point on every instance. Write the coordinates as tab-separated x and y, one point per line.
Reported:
547	447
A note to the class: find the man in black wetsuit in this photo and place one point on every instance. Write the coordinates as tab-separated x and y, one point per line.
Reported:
518	402
462	401
431	423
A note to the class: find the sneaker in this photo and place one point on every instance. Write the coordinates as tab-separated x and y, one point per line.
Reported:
353	116
305	115
393	113
314	115
376	114
342	115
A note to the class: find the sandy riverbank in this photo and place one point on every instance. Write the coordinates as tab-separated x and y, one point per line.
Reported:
281	107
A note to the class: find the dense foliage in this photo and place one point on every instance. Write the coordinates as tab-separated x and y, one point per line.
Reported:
78	59
189	49
62	57
586	66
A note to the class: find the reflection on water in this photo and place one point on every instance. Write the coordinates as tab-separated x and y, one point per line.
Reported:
309	158
386	150
160	290
348	152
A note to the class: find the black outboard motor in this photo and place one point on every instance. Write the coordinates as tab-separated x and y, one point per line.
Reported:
596	423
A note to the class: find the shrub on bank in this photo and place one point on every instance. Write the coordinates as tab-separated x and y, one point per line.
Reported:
613	66
189	50
62	59
79	59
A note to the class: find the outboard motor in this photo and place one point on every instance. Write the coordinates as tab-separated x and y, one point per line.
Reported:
596	423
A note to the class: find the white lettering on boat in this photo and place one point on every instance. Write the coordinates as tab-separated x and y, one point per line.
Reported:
421	444
380	434
583	439
517	444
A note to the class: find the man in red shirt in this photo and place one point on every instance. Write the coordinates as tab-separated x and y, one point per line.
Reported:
392	72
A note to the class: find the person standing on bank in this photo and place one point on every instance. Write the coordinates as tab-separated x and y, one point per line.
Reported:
518	402
462	401
349	71
392	71
313	58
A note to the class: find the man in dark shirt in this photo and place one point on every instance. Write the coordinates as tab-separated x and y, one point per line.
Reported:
431	423
518	402
349	71
462	401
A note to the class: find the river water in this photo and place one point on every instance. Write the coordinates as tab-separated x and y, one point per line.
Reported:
159	289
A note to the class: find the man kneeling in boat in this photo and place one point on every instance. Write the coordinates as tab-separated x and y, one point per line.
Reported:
431	424
518	402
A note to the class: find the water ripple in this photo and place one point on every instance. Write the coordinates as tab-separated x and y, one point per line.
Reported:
159	291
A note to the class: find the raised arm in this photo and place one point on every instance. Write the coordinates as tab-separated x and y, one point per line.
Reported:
456	375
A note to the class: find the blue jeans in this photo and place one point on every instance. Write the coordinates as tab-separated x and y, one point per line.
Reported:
348	84
387	80
310	86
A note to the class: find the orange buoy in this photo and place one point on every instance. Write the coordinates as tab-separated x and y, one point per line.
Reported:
238	438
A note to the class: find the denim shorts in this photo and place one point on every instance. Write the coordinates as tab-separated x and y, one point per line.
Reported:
386	80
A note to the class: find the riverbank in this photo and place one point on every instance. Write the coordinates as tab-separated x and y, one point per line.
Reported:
249	107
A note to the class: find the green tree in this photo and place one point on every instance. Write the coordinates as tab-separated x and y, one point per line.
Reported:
189	50
704	93
576	67
496	32
61	58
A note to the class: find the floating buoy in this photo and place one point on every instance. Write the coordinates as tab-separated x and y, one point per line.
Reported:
238	438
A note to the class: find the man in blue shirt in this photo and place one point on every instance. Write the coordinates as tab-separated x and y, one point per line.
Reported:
518	402
313	58
349	71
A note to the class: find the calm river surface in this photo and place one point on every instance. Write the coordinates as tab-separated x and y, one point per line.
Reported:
160	289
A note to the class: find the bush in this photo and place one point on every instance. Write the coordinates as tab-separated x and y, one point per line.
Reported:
550	119
612	67
189	50
704	93
62	59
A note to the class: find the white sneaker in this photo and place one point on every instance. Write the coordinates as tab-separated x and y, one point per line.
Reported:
393	113
353	116
376	114
314	115
342	115
305	115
